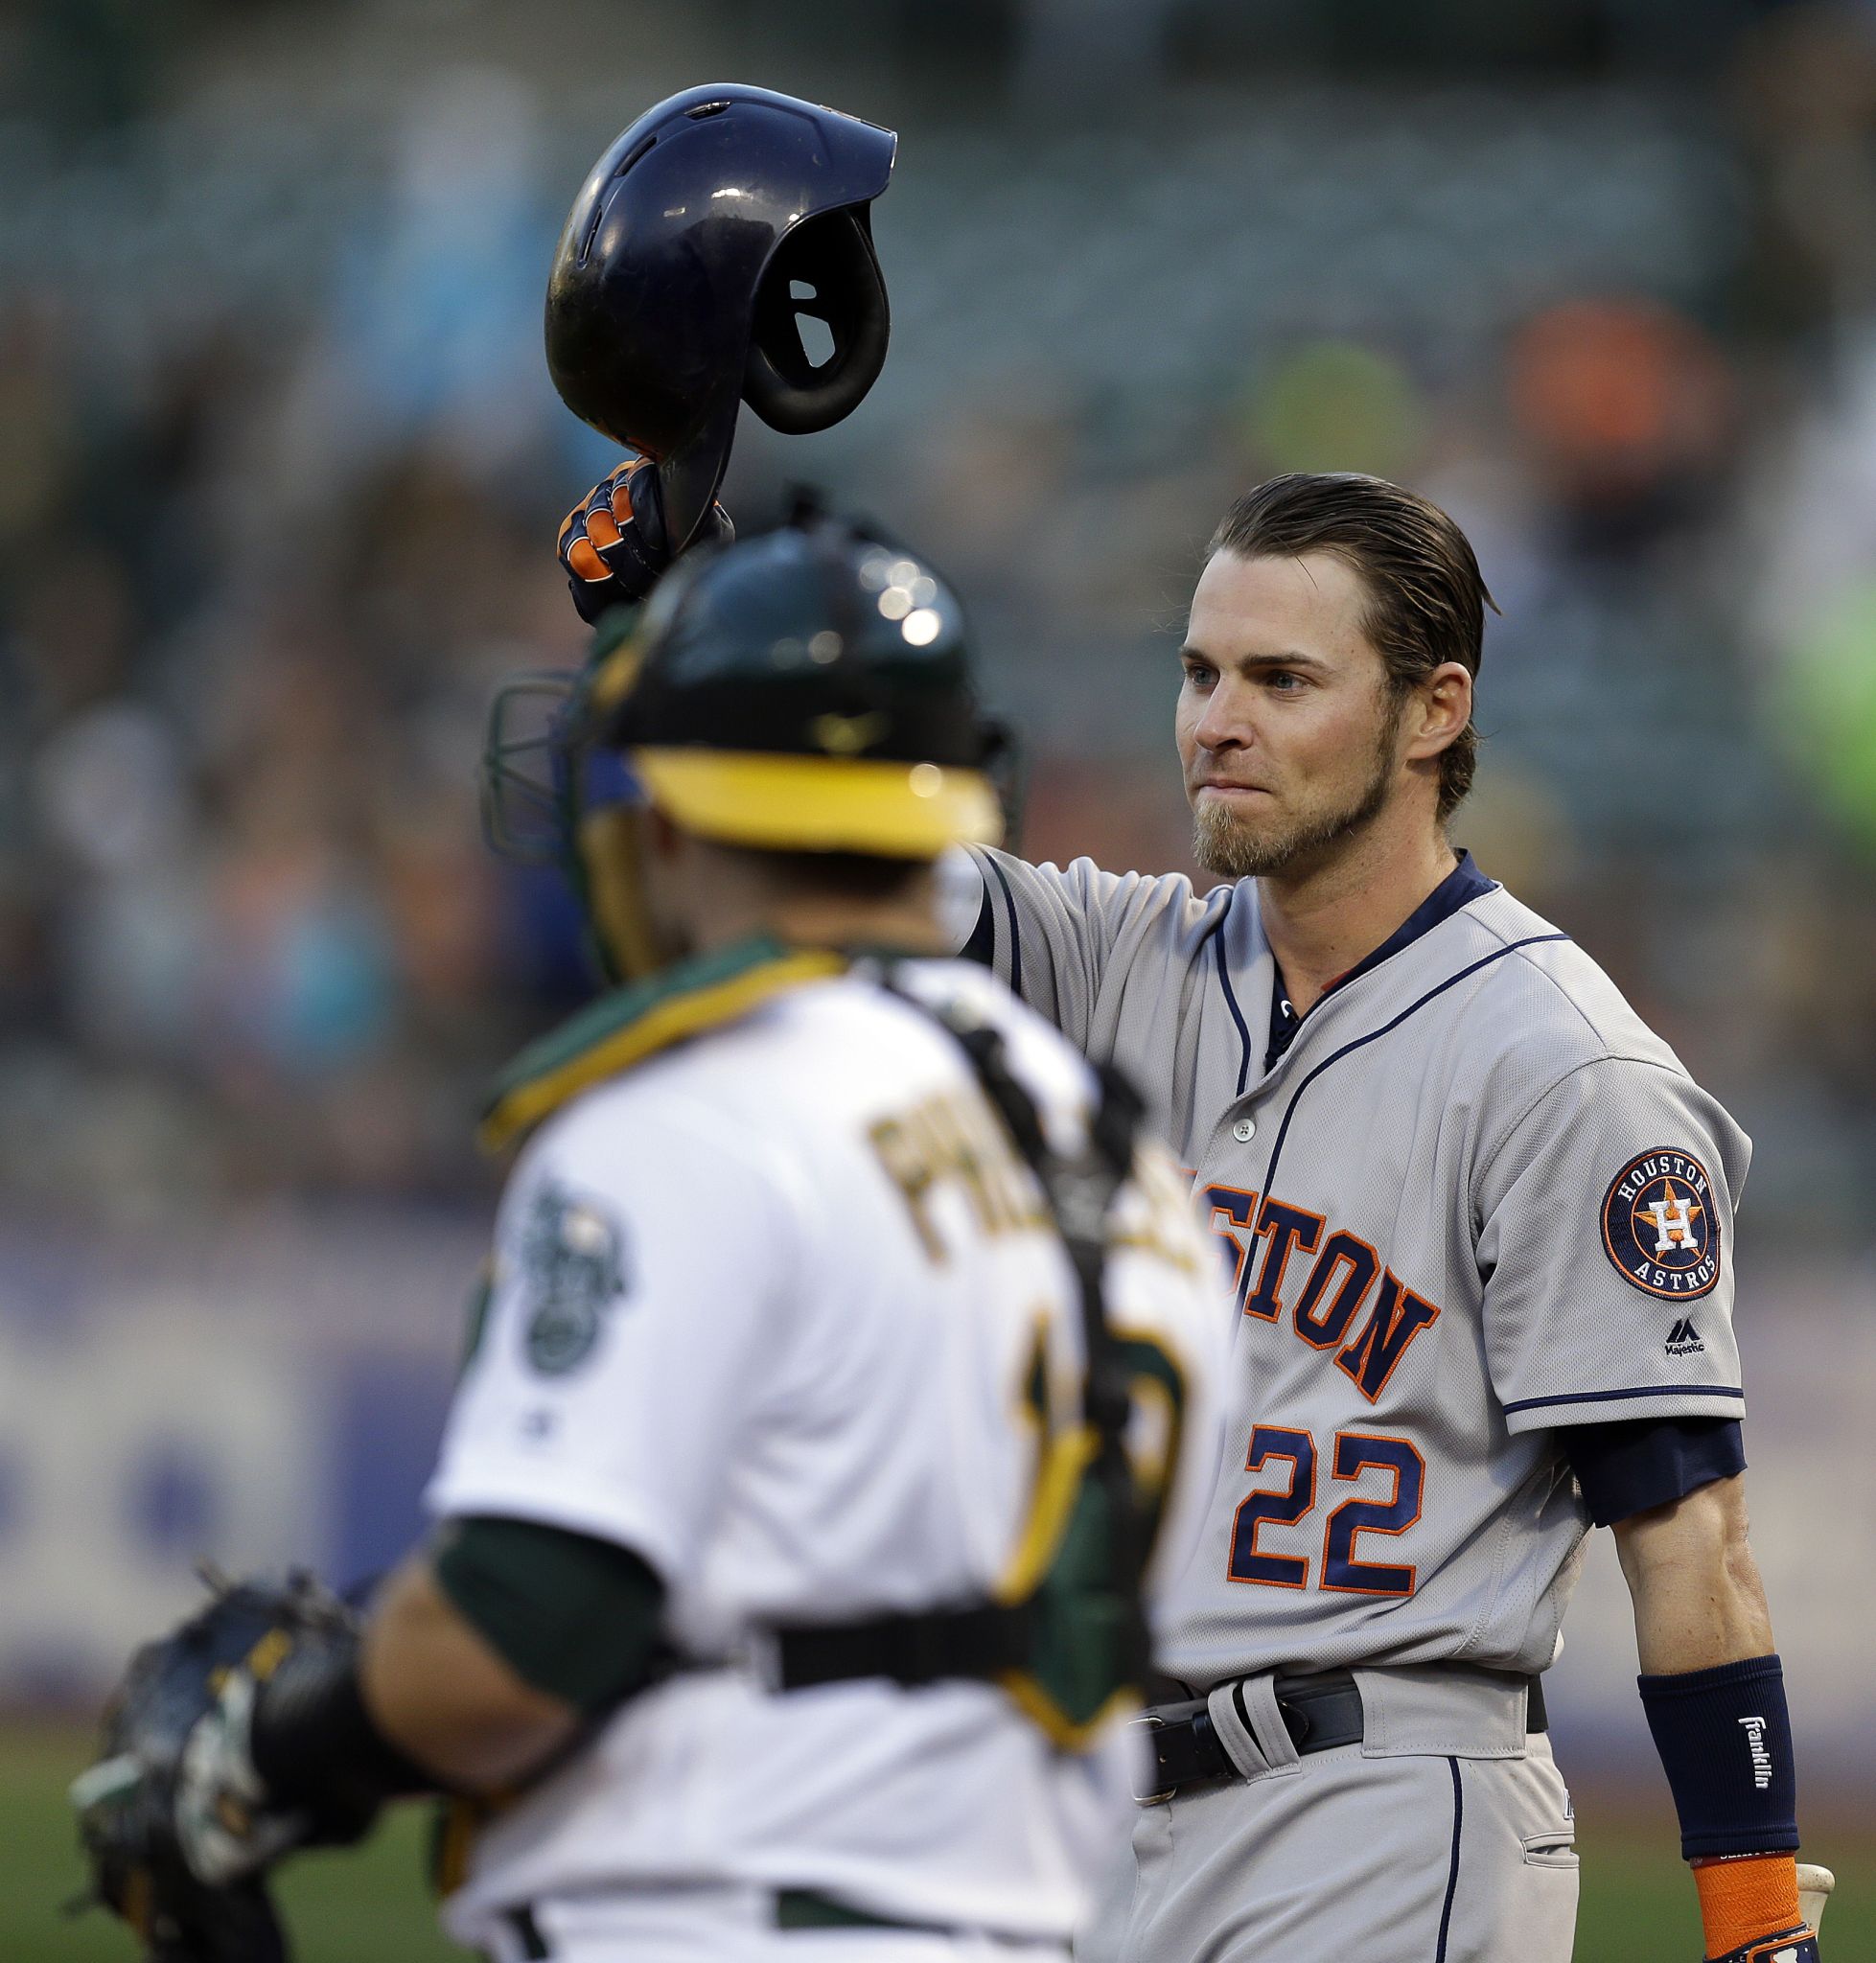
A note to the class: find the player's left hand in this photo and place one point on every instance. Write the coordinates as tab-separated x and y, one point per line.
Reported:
175	1821
614	544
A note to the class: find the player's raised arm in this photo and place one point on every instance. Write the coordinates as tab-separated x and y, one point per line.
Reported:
1070	941
661	322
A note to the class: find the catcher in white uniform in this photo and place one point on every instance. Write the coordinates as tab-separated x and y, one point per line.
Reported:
846	1361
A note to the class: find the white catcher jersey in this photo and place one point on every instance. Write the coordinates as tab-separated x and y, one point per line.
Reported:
1477	1200
777	1310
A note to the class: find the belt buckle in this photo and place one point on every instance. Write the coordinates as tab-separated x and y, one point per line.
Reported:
1150	1721
1297	1721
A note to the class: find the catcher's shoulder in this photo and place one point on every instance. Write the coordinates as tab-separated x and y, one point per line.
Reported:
716	1091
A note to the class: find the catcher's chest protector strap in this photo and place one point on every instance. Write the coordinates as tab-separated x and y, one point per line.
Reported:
994	1640
979	1642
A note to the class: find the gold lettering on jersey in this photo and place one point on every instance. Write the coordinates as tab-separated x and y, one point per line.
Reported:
1152	1212
954	1140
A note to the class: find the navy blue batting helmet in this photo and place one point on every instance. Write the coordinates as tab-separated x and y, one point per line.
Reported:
696	246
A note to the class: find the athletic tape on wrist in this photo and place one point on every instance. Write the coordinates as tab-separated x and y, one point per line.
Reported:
1743	1900
1724	1738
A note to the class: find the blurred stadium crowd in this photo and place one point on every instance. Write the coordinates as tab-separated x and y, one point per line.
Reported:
280	471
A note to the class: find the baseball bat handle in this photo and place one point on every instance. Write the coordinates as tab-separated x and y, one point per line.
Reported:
1814	1887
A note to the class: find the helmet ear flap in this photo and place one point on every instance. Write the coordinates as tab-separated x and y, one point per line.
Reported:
612	851
832	257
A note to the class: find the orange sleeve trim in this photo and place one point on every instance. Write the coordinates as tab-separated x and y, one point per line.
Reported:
1743	1900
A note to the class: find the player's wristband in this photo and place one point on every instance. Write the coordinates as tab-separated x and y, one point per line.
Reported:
315	1746
1726	1744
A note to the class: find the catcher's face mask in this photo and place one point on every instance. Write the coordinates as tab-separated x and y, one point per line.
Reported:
806	690
553	796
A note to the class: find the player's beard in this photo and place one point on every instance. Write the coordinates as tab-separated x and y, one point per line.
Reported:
1226	846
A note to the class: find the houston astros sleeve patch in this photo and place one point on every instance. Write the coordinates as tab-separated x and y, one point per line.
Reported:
1659	1227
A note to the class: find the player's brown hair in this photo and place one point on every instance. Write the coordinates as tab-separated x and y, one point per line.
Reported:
1427	599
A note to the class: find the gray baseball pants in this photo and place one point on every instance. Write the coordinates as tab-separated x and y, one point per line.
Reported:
1444	1836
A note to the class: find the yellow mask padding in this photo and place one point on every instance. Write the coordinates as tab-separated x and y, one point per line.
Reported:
822	805
611	853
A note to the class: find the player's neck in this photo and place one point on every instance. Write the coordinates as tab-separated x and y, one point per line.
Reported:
835	923
715	896
1325	917
835	920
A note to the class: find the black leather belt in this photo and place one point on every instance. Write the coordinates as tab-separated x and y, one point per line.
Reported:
1319	1712
799	1908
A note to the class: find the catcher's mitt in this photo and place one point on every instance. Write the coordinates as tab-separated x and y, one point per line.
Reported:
174	1821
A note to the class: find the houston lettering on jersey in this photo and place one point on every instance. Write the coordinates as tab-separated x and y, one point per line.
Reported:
1285	1259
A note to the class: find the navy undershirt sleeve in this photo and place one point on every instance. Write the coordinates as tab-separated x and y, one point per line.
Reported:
1625	1468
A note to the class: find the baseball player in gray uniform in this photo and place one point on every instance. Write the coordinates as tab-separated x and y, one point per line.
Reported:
1477	1219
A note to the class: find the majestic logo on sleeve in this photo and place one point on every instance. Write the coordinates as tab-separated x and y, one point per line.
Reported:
1659	1225
571	1269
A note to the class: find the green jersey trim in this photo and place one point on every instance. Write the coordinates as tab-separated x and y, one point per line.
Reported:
631	1024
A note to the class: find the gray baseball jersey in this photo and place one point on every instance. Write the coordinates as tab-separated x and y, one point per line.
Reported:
1476	1200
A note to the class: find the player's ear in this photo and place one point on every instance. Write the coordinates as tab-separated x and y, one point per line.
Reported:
1444	702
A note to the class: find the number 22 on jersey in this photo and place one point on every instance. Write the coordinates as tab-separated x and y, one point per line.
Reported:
1274	1448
